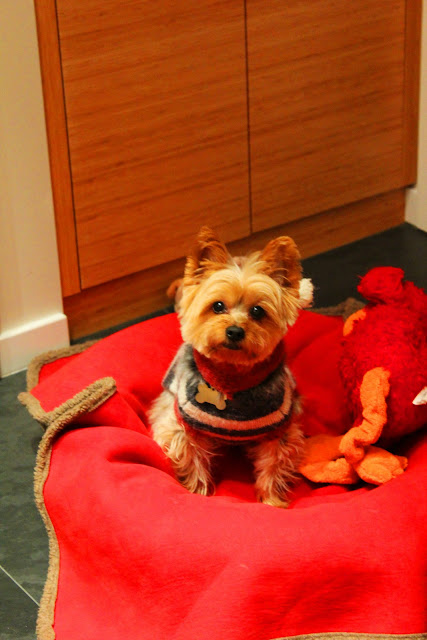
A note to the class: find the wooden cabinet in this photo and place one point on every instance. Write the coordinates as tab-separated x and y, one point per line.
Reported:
155	96
326	91
254	117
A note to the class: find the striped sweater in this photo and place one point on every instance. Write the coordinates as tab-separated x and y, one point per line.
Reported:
231	411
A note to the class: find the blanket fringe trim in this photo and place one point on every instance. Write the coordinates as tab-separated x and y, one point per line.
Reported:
356	636
36	364
55	423
87	400
344	309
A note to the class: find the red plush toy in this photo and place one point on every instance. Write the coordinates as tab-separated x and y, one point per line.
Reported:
384	370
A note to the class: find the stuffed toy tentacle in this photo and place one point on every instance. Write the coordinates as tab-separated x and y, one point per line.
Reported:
323	461
374	390
379	466
351	321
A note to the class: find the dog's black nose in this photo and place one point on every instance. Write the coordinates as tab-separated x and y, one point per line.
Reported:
234	333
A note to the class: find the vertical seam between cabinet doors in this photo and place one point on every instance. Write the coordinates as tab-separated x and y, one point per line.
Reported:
68	146
248	117
411	90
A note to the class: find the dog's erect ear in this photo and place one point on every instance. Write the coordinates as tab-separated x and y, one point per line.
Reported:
209	254
282	262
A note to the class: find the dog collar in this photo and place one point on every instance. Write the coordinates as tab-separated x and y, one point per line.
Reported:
230	378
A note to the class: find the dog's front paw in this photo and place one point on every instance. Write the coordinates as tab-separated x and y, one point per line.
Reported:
190	460
274	500
276	464
196	482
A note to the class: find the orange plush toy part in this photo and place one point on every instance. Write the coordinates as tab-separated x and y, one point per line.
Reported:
383	367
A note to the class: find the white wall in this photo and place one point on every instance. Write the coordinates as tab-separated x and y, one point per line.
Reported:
416	202
31	317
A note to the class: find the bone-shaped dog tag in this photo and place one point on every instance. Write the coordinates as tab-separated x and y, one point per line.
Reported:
211	396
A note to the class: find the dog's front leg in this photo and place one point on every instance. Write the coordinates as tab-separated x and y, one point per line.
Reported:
190	455
276	464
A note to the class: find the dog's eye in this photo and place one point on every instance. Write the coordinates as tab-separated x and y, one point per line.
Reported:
257	312
219	307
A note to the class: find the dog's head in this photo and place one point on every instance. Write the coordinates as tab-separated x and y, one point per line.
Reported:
237	310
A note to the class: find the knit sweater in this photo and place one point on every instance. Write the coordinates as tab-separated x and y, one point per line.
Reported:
231	411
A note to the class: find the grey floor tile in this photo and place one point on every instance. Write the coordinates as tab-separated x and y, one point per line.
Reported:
24	546
18	612
335	274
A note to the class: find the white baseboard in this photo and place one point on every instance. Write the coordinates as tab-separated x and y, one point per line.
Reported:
18	346
416	207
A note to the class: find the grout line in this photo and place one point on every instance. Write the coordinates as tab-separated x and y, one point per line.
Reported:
19	585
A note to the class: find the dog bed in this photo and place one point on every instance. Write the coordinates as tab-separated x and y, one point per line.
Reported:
134	555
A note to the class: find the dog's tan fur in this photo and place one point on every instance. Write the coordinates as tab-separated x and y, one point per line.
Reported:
269	279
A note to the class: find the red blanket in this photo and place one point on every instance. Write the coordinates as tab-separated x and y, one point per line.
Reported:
134	556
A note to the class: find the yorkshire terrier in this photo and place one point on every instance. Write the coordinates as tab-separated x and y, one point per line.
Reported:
229	383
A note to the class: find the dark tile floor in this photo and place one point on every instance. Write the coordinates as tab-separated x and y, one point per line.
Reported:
23	542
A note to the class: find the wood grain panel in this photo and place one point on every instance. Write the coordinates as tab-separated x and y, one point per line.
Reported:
141	293
53	95
326	82
157	122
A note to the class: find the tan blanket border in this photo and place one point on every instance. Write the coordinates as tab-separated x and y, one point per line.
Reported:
344	309
356	636
56	421
36	364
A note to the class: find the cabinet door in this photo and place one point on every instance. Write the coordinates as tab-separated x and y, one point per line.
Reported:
326	85
155	98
